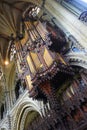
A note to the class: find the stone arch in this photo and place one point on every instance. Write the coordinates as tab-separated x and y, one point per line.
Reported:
23	119
82	65
26	105
4	127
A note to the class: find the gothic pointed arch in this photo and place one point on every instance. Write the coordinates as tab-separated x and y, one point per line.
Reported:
26	107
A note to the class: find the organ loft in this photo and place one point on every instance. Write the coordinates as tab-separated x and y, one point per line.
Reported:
43	65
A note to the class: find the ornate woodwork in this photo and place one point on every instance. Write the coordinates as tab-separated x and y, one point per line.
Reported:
45	71
83	16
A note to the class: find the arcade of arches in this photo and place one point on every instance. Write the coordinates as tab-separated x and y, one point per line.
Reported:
43	65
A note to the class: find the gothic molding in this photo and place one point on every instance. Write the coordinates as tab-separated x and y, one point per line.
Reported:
29	105
27	110
4	124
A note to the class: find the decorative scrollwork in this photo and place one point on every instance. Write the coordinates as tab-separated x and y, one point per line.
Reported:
83	16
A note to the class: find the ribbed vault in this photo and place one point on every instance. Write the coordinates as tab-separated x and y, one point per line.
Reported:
10	18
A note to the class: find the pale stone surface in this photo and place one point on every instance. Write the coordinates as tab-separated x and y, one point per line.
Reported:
69	21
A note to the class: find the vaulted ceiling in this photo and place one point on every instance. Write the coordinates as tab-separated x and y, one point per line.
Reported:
10	17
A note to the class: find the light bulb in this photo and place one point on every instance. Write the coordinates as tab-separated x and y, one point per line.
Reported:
6	62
